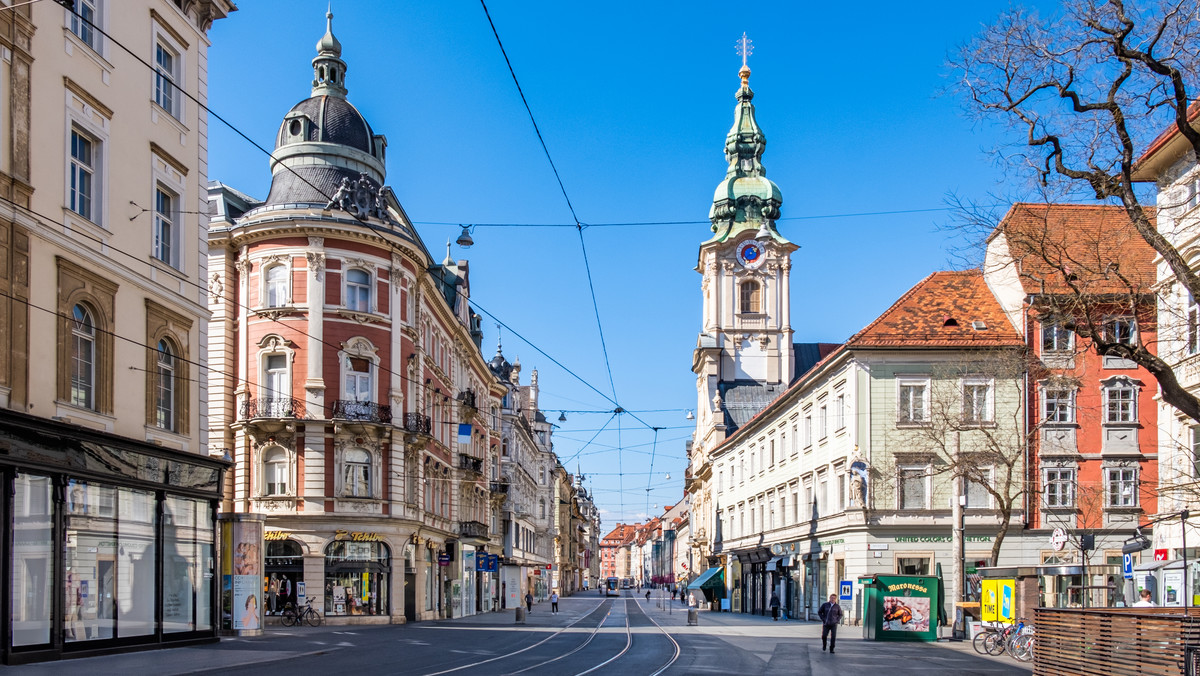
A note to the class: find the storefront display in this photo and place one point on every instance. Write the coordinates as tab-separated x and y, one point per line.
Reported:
112	542
284	568
357	576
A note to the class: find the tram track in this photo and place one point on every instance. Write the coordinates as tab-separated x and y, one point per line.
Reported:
635	618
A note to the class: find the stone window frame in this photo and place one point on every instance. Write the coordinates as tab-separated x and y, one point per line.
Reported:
290	464
165	324
79	286
273	344
75	27
1122	382
750	297
359	347
1045	387
914	380
163	36
370	287
169	176
926	470
86	115
1135	482
1068	481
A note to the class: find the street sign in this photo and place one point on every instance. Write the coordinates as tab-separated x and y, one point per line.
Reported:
1058	539
1160	555
1127	562
847	590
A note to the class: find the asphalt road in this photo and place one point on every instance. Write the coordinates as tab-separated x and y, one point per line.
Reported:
592	635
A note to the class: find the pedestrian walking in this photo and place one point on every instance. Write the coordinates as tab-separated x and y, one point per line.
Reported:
1145	602
554	602
529	602
775	606
647	596
831	616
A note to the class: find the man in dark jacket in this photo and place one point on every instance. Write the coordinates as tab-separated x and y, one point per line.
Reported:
831	616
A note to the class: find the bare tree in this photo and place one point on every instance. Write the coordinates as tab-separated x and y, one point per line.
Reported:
977	432
1088	90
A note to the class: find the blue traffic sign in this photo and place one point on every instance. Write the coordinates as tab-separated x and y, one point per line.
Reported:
847	590
1128	565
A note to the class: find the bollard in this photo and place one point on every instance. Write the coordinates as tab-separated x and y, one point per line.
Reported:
520	616
693	617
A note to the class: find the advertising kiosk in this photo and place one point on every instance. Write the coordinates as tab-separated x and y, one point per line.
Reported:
900	607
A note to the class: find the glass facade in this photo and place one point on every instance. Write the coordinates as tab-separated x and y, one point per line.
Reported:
357	575
106	542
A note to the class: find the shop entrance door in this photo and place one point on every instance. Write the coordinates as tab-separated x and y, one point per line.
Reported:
410	596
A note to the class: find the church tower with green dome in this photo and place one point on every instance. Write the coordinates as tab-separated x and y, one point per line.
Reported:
744	356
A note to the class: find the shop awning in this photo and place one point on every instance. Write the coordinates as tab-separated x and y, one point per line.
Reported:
709	579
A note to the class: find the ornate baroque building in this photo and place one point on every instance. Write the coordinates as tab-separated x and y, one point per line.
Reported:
744	355
351	368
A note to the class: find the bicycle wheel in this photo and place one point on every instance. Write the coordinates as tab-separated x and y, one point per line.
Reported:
289	618
1023	649
313	618
994	644
977	642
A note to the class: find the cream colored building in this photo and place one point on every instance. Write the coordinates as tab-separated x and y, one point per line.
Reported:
102	323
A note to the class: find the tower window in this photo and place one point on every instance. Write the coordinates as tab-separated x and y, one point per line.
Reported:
751	293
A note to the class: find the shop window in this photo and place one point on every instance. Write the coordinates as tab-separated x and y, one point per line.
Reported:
32	575
284	567
110	560
357	575
912	565
188	552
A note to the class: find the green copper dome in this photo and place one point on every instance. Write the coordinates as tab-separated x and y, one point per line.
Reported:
746	199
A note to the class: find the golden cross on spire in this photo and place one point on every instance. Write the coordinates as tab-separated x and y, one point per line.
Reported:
745	47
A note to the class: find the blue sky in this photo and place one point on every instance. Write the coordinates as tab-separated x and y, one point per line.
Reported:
634	101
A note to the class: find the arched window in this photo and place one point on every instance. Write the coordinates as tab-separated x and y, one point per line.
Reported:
542	508
358	397
358	290
83	358
164	405
276	472
358	473
751	297
277	285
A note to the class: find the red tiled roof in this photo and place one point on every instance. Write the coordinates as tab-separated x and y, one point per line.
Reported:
1050	241
941	311
1169	133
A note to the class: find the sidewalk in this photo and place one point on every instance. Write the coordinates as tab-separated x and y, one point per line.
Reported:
734	626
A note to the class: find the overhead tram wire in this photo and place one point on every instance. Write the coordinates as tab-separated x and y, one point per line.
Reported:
633	224
578	225
316	189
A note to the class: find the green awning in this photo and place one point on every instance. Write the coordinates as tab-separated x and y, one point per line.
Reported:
711	579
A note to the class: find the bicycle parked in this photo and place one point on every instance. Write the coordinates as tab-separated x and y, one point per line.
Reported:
293	616
996	639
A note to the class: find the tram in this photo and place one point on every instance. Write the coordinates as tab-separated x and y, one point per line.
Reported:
611	587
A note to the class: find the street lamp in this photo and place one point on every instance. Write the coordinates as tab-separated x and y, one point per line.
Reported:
464	240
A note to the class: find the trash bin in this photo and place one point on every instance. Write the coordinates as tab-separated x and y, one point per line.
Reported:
693	617
520	615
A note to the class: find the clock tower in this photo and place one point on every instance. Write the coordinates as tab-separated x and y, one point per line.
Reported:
744	356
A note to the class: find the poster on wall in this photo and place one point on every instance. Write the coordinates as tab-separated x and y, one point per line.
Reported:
906	613
244	579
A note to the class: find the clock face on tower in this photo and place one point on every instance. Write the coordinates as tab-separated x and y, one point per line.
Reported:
750	254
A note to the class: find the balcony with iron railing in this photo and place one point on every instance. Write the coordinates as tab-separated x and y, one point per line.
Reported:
273	407
470	463
417	423
500	487
473	530
361	411
467	399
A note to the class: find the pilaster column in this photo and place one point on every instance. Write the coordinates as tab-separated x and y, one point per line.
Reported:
314	383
